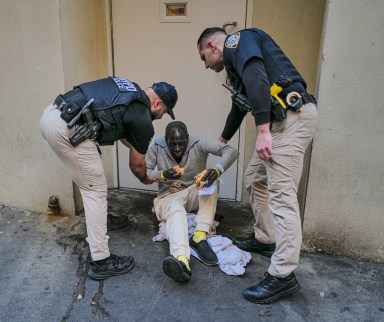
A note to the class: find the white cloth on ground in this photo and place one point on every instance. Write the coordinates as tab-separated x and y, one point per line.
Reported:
231	259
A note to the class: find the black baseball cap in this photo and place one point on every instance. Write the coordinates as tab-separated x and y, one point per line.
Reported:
168	94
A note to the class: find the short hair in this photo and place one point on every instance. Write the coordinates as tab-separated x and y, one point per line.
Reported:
175	125
208	33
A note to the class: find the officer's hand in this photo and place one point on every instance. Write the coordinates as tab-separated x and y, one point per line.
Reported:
148	180
264	142
170	174
210	177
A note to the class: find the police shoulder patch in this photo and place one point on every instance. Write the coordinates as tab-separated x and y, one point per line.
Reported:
233	40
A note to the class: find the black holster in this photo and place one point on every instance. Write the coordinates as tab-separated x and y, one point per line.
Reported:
278	112
90	129
70	104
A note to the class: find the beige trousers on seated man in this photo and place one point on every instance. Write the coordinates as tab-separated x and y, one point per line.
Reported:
85	167
173	210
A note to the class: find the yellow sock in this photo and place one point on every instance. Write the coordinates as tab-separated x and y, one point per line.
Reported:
199	236
185	260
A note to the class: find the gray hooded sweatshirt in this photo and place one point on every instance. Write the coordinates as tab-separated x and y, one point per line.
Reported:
193	162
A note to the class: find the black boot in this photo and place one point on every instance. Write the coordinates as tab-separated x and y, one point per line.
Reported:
116	222
176	270
272	288
204	251
111	266
251	244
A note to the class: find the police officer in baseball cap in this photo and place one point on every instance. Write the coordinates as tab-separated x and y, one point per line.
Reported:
168	94
101	112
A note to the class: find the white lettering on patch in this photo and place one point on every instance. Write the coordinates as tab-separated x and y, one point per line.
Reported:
124	85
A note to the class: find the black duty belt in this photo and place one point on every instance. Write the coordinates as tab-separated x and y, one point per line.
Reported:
296	101
60	102
75	95
308	98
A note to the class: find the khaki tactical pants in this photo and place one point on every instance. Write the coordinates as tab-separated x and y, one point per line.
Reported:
173	210
85	167
272	185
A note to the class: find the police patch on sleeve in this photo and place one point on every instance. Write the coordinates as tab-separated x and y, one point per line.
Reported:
233	40
124	85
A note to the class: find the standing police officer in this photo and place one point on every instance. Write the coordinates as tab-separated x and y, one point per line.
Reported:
115	109
254	62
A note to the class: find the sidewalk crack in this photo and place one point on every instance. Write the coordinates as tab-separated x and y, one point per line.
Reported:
155	300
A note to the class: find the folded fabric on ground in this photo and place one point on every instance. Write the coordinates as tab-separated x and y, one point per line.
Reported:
231	259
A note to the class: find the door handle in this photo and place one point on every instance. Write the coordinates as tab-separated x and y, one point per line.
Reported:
229	23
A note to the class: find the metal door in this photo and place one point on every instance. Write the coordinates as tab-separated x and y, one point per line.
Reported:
155	40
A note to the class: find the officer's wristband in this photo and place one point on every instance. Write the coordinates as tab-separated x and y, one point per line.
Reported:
162	176
217	171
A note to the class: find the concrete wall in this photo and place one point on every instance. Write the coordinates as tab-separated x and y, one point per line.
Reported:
296	26
344	209
343	205
47	47
85	56
32	74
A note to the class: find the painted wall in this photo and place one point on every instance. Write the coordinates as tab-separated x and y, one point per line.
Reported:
47	47
344	208
32	75
85	57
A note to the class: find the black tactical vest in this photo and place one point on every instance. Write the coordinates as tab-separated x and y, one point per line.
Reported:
276	63
112	96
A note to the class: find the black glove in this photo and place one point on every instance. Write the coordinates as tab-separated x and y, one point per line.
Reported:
170	174
211	176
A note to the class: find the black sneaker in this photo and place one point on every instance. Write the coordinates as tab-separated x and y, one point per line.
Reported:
204	251
116	222
114	265
272	288
251	244
176	270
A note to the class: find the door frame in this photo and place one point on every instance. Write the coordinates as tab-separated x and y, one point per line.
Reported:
111	71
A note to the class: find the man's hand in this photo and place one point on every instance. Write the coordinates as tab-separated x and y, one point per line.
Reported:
171	174
264	141
210	177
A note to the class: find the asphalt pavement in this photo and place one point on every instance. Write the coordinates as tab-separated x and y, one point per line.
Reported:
45	259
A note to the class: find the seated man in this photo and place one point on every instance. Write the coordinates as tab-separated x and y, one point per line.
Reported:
178	193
